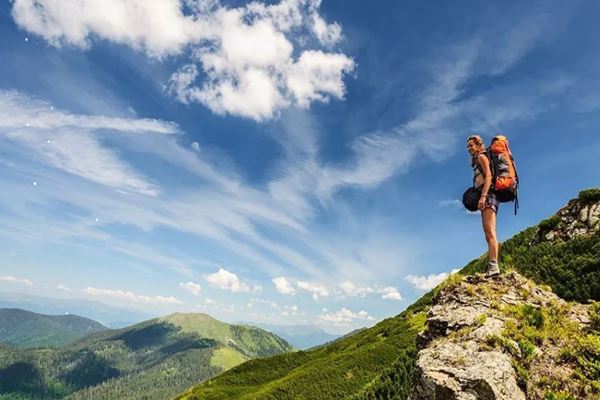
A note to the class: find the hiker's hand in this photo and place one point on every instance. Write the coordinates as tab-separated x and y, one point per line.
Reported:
481	202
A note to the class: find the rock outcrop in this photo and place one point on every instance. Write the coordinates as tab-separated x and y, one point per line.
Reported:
493	340
578	217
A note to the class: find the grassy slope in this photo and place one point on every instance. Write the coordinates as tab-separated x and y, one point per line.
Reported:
152	360
25	329
377	363
337	370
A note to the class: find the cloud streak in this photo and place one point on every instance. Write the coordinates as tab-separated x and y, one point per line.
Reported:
130	296
13	279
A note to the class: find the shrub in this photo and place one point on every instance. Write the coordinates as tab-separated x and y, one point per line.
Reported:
589	196
594	314
548	224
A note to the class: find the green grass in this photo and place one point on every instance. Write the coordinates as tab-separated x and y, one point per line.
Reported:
336	371
226	358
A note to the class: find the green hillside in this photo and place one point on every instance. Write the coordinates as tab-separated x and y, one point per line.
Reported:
155	359
25	329
377	363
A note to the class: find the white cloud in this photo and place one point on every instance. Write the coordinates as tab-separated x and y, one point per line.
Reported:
209	302
64	288
196	146
191	287
159	27
430	281
251	70
391	293
388	293
317	290
227	280
13	279
283	286
317	75
21	111
343	317
130	296
246	53
327	34
451	203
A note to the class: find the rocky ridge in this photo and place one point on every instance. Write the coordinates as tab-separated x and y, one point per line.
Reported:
580	216
505	339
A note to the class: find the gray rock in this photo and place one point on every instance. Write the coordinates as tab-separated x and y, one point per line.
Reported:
461	371
459	357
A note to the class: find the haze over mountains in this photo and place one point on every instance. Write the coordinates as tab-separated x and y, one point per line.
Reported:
112	317
300	336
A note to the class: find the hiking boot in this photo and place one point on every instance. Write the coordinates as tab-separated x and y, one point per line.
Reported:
493	270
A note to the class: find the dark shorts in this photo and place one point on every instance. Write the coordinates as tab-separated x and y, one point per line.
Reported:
491	202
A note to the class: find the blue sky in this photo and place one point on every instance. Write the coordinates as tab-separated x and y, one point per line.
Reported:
279	162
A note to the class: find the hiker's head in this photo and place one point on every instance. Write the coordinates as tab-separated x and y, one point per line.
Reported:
475	144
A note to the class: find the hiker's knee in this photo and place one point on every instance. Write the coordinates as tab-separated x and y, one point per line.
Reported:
490	236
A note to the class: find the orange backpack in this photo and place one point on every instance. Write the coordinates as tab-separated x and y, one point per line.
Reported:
505	180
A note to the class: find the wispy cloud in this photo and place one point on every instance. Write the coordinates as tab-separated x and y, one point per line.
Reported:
65	141
130	296
13	279
64	288
191	287
20	111
455	203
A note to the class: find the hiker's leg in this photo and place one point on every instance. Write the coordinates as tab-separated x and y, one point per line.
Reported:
488	218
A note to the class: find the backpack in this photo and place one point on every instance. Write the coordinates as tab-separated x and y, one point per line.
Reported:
505	180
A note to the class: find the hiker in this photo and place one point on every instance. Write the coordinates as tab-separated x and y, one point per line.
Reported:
488	203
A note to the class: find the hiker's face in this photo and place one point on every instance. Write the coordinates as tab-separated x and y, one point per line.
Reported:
472	147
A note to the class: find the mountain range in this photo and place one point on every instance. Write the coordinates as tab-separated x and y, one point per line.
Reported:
154	359
24	329
300	336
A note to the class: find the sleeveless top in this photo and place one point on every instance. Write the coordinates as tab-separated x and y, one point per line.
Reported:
477	171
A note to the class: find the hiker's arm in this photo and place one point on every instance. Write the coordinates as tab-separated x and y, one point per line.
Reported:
487	173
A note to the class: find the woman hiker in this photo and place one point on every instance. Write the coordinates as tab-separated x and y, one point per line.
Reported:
488	204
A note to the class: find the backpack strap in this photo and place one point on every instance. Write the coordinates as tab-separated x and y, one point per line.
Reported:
512	160
488	154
